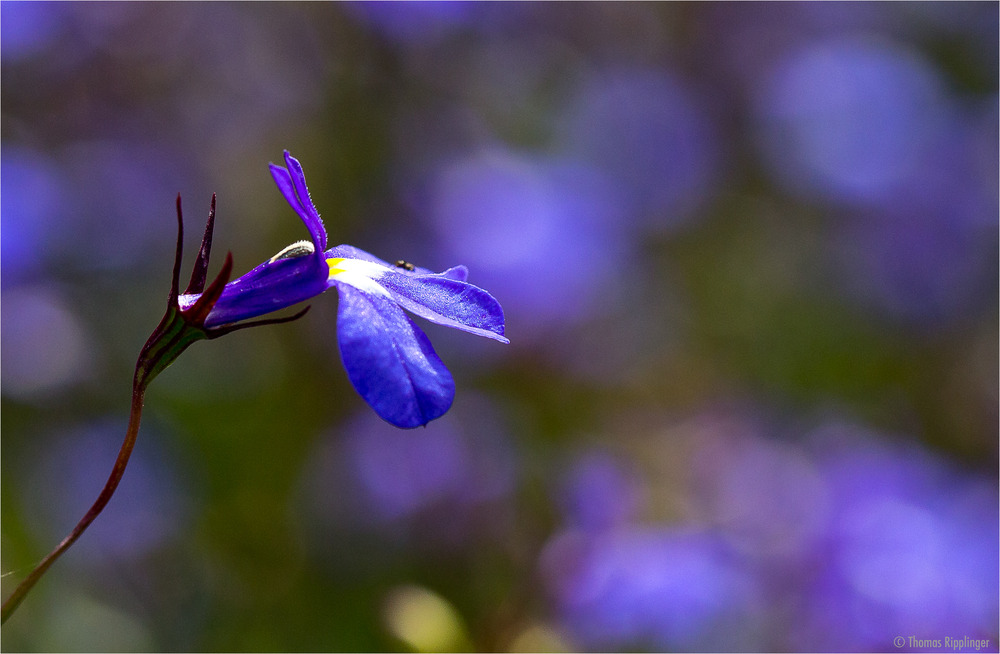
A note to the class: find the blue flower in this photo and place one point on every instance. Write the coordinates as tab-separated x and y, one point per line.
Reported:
388	358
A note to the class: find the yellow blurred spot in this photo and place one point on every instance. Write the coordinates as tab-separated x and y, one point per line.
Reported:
540	638
425	621
80	624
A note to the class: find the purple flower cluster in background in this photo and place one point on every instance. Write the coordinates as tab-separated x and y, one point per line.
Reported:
840	541
154	509
867	124
521	220
444	489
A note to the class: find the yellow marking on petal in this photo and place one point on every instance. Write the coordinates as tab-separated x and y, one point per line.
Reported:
334	270
359	273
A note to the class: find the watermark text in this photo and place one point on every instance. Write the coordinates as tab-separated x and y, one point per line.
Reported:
951	643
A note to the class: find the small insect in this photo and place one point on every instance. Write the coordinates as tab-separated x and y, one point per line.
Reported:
405	265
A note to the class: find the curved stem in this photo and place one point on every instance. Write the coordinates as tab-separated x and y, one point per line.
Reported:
177	330
12	602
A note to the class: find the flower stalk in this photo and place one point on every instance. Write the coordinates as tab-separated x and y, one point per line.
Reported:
12	602
178	329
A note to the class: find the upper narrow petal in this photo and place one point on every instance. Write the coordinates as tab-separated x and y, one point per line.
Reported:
305	200
390	361
292	184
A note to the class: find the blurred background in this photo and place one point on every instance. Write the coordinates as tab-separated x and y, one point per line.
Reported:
748	256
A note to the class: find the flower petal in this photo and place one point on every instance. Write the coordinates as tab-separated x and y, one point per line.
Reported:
443	298
447	301
350	252
271	286
458	273
390	361
292	184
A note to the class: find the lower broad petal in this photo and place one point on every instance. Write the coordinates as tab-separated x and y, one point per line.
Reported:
390	361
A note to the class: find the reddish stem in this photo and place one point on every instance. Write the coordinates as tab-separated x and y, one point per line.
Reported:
138	391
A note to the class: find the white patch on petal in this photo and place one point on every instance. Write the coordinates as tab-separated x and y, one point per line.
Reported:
296	249
362	275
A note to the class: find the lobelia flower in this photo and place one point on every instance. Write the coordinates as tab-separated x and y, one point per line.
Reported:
388	358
